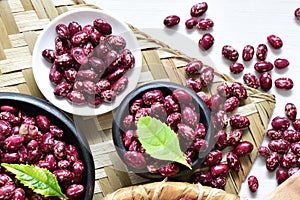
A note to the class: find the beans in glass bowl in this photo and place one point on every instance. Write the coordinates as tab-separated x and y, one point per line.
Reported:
34	132
178	107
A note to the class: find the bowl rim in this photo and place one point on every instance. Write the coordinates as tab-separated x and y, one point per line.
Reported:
54	112
119	113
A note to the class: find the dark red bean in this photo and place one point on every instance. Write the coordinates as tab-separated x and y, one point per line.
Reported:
169	170
243	148
117	74
203	96
263	66
79	55
230	53
42	122
79	38
200	131
194	67
236	68
214	157
116	42
207	76
233	161
248	52
18	194
280	123
55	75
265	80
63	61
120	85
219	182
206	41
186	132
288	160
281	63
62	31
49	55
218	170
61	46
190	117
173	119
171	20
108	96
74	191
290	111
281	175
181	96
194	84
205	24
238	90
87	74
297	13
13	142
203	177
261	52
231	104
275	41
5	127
224	89
102	26
239	121
296	124
198	9
190	23
214	102
251	80
284	83
235	136
101	50
252	183
264	151
221	139
74	27
291	135
127	59
272	161
274	134
280	145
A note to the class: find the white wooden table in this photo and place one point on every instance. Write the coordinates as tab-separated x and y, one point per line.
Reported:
237	23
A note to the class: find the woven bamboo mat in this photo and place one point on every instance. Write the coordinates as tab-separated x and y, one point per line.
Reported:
20	24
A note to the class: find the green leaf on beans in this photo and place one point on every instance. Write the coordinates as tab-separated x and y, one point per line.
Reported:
159	140
40	180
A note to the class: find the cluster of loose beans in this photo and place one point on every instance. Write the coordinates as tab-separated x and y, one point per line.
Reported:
88	63
26	139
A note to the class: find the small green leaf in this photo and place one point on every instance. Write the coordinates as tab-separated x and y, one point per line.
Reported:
40	180
159	140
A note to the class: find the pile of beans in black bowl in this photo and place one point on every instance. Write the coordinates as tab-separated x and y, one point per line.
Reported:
178	107
35	133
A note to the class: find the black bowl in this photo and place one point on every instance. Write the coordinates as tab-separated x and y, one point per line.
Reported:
167	88
72	135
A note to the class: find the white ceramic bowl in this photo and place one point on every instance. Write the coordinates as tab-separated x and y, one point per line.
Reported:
41	67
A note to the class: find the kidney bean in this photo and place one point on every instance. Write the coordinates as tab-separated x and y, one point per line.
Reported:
252	183
76	97
280	145
194	84
219	182
59	150
207	76
265	80
238	90
9	157
191	22
221	139
136	105
234	137
116	42
63	61
280	123
291	135
264	151
297	13
63	176
62	31
55	75
127	59
200	131
239	122
101	51
203	96
281	63
88	28
18	194
6	191
214	102
248	52
74	190
230	53
186	132
288	160
205	24
261	52
199	145
158	111
214	157
22	151
203	177
47	142
112	60
181	96
79	38
274	134
63	164
117	74
128	122
295	147
49	55
169	170
284	83
142	112
236	68
173	119
194	67
70	75
224	89
152	96
79	55
135	159
231	104
281	175
61	46
198	9
272	161
71	153
42	122
190	117
5	127
206	41
290	111
13	142
220	120
263	66
102	85
170	104
275	41
243	148
128	137
74	27
171	20
292	171
120	84
296	124
136	146
102	26
251	80
219	169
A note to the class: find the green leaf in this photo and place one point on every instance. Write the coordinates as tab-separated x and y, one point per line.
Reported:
40	180
159	140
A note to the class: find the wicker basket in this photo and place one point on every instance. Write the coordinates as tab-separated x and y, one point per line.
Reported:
21	22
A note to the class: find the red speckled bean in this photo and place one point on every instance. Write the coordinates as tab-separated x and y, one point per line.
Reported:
261	52
198	9
284	83
265	80
248	53
281	63
275	41
171	20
